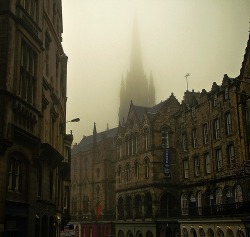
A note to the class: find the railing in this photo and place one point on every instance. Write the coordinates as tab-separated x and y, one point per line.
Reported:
213	210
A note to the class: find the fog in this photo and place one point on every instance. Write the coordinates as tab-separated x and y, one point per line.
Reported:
206	38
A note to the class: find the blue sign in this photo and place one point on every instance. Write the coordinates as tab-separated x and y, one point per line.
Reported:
166	161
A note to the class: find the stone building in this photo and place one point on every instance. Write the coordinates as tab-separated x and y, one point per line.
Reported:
136	85
34	149
145	185
183	169
93	184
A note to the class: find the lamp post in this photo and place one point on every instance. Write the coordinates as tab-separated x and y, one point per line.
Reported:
75	120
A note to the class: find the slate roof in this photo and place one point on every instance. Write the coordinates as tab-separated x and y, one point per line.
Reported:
87	142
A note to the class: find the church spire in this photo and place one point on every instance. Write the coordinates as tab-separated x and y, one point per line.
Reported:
151	91
136	58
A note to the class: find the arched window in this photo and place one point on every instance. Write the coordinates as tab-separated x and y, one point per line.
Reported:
146	138
127	172
165	137
136	170
146	165
97	191
184	204
218	199
127	145
238	195
120	233
199	202
131	148
120	208
97	172
220	233
85	204
16	174
118	150
119	174
149	234
135	144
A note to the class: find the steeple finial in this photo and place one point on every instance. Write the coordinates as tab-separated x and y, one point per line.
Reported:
94	134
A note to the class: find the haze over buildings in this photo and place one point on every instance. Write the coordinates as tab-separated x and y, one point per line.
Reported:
204	38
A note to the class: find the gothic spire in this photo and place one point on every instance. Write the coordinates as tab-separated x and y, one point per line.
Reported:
151	91
136	58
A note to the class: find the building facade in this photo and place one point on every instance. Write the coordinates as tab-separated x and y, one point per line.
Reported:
183	169
93	184
136	86
35	150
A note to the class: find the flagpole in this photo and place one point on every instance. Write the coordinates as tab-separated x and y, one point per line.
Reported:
187	75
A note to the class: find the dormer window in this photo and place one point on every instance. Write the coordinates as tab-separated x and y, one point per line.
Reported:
215	102
226	94
165	137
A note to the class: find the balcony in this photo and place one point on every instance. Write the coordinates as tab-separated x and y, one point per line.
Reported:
230	209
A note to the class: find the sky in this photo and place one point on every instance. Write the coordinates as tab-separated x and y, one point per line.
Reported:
206	38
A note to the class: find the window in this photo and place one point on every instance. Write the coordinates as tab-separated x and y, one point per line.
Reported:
66	197
217	128
127	146
51	185
215	100
196	166
15	169
226	94
131	149
164	138
205	133
39	181
74	205
118	150
230	154
67	155
199	202
119	174
228	123
238	195
135	144
97	172
218	199
193	112
185	169
85	205
184	204
218	159
194	136
26	84
146	165
127	172
207	163
184	141
136	170
146	138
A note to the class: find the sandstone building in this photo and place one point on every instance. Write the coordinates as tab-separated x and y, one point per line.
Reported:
93	183
183	169
175	169
34	149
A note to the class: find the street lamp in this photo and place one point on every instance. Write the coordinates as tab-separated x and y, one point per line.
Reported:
75	120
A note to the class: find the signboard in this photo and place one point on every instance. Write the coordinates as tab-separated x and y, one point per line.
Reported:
166	161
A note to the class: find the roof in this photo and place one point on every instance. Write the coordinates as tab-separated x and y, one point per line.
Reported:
87	142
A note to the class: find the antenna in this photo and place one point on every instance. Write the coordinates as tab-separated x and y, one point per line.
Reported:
187	75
